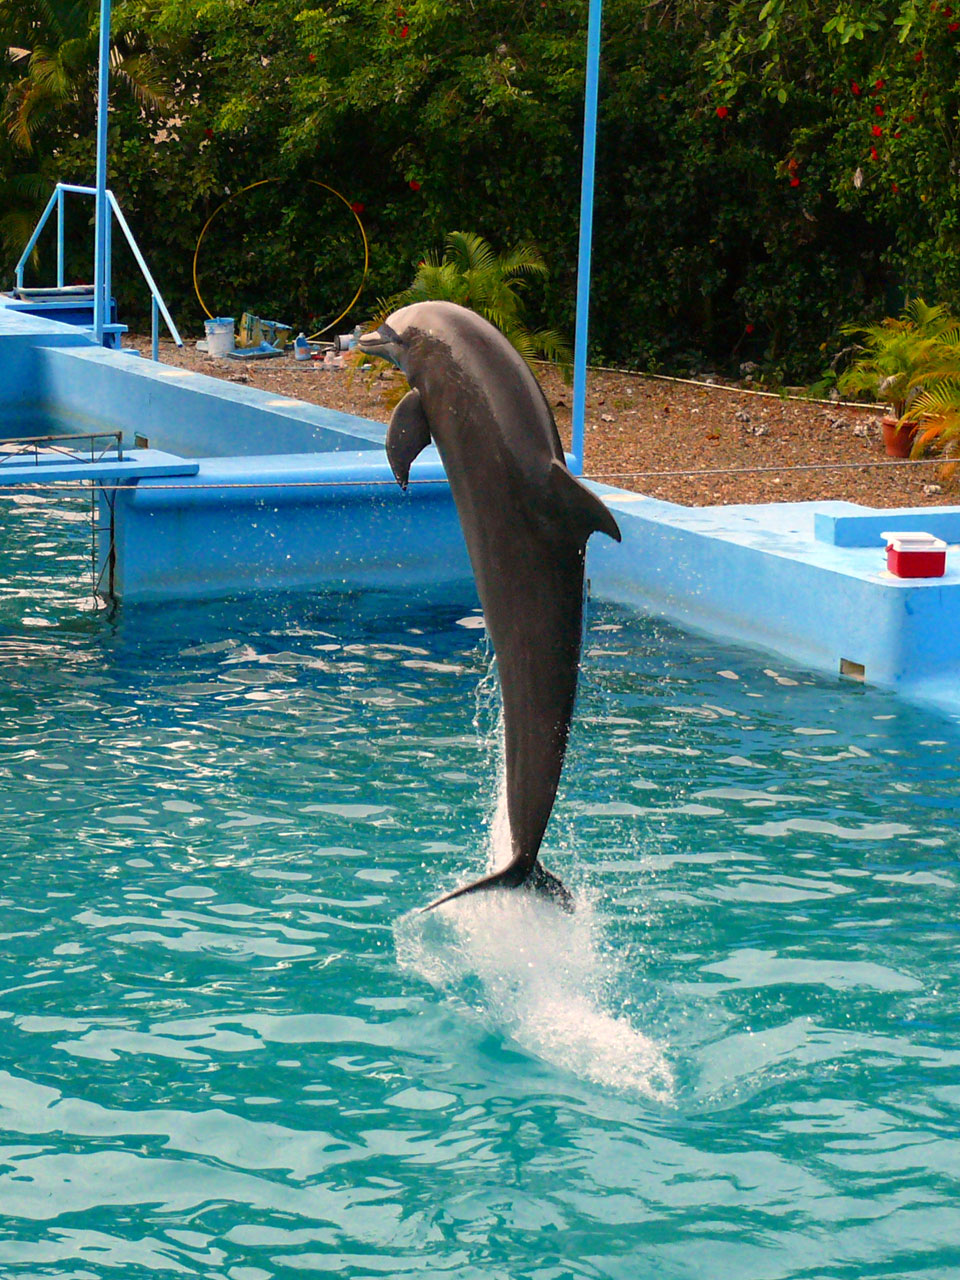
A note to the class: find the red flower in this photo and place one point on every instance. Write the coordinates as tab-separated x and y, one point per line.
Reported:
918	56
855	88
947	11
878	110
749	328
404	31
879	85
722	113
792	164
897	134
413	184
208	133
909	119
311	57
953	26
894	188
357	206
794	181
874	153
877	131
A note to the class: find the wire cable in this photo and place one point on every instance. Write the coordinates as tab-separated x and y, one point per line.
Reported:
81	485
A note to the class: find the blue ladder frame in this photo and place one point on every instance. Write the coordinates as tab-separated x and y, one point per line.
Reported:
158	306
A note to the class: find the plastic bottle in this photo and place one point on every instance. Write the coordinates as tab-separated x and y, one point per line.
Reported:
301	347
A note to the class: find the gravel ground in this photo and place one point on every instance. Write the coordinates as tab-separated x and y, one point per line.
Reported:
653	426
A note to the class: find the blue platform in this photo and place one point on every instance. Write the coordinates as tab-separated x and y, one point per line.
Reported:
250	491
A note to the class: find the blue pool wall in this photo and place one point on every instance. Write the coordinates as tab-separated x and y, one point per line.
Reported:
287	494
759	575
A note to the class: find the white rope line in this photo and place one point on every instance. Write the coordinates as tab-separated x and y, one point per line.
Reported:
727	386
804	466
82	485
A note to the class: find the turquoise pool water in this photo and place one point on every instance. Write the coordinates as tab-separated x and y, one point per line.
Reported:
230	1049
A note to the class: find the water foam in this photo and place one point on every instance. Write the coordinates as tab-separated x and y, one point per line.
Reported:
534	972
540	976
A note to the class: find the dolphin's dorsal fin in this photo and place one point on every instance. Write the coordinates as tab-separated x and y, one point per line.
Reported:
407	435
580	508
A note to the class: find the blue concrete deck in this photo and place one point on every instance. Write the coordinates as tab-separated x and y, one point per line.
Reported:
284	494
760	575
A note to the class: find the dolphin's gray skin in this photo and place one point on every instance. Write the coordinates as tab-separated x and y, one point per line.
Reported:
526	521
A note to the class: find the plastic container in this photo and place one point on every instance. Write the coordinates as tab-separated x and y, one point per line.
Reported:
220	339
301	347
915	555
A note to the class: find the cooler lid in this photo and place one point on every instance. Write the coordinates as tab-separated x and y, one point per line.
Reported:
901	540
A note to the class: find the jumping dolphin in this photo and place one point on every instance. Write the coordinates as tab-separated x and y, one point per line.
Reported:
526	521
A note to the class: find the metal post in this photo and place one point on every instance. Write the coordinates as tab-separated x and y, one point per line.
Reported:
155	329
586	232
108	265
60	237
31	243
100	218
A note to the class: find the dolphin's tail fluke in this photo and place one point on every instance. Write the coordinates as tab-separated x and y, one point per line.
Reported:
540	880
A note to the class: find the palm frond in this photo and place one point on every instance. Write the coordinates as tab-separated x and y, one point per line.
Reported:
942	397
472	274
469	251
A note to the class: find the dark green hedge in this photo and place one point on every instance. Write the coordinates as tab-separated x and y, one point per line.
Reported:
728	223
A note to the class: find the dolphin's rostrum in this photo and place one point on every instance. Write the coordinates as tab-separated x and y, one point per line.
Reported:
526	520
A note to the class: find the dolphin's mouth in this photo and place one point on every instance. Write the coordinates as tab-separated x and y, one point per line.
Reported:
382	342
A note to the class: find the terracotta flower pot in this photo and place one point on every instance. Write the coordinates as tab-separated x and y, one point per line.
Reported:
897	437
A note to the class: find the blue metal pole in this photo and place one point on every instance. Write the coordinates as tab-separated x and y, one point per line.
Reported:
144	269
586	231
108	264
100	301
60	237
32	242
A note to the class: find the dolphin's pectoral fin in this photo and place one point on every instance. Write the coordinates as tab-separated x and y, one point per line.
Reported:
407	435
582	510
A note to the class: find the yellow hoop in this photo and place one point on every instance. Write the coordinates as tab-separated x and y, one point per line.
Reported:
262	183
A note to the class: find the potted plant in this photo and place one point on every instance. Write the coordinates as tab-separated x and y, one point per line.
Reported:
900	359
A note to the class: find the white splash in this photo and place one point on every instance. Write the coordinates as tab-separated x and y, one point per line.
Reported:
538	975
535	972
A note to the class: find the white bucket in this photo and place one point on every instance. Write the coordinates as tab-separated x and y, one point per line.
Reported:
219	331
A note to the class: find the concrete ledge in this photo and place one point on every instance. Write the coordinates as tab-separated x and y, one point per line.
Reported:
189	413
137	464
758	576
338	521
861	527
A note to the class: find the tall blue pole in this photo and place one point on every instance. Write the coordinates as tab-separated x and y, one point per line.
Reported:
586	231
101	302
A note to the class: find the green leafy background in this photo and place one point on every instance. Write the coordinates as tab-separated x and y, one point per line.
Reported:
746	207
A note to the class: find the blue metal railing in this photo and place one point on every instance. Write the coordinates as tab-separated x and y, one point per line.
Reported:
158	306
594	21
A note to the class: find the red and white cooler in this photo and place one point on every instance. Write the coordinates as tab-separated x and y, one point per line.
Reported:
915	555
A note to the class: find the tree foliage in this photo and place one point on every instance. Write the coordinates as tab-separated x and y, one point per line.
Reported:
766	172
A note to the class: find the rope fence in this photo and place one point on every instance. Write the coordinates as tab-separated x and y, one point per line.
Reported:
82	485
